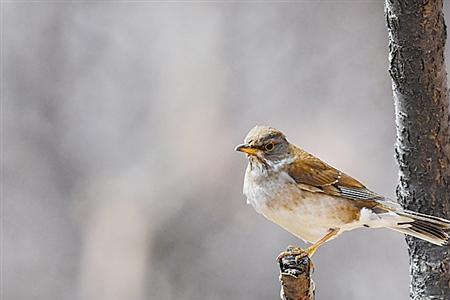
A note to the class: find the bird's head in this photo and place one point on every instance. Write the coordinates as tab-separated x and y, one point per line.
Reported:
265	145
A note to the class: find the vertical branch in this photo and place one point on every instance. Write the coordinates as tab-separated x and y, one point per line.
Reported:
417	35
295	275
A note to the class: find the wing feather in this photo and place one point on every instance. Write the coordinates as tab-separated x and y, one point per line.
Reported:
314	175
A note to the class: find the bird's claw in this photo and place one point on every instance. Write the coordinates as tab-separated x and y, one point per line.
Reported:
297	252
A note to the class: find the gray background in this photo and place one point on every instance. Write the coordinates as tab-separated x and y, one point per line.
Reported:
119	122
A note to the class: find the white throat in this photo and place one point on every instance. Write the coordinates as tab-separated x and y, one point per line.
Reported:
263	183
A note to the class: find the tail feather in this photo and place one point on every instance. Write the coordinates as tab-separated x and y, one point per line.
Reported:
428	228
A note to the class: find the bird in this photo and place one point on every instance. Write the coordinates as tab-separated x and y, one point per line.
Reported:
315	201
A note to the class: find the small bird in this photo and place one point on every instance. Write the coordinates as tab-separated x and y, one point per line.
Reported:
317	202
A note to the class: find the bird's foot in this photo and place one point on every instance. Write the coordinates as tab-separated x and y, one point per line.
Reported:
295	258
296	252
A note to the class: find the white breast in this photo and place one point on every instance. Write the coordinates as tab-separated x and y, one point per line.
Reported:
305	214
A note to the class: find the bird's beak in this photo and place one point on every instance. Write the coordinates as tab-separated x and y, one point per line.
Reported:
246	149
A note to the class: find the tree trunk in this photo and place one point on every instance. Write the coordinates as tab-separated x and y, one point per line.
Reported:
296	269
417	35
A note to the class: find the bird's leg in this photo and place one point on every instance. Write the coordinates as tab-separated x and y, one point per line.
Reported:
331	234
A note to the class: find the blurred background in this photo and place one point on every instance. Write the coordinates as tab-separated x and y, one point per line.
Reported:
119	123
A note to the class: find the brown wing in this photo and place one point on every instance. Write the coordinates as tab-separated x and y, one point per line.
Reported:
314	175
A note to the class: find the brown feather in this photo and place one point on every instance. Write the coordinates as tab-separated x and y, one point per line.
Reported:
314	175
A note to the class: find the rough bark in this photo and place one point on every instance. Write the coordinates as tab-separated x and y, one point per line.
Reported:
417	35
295	275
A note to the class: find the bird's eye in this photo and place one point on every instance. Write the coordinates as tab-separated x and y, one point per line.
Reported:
269	147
